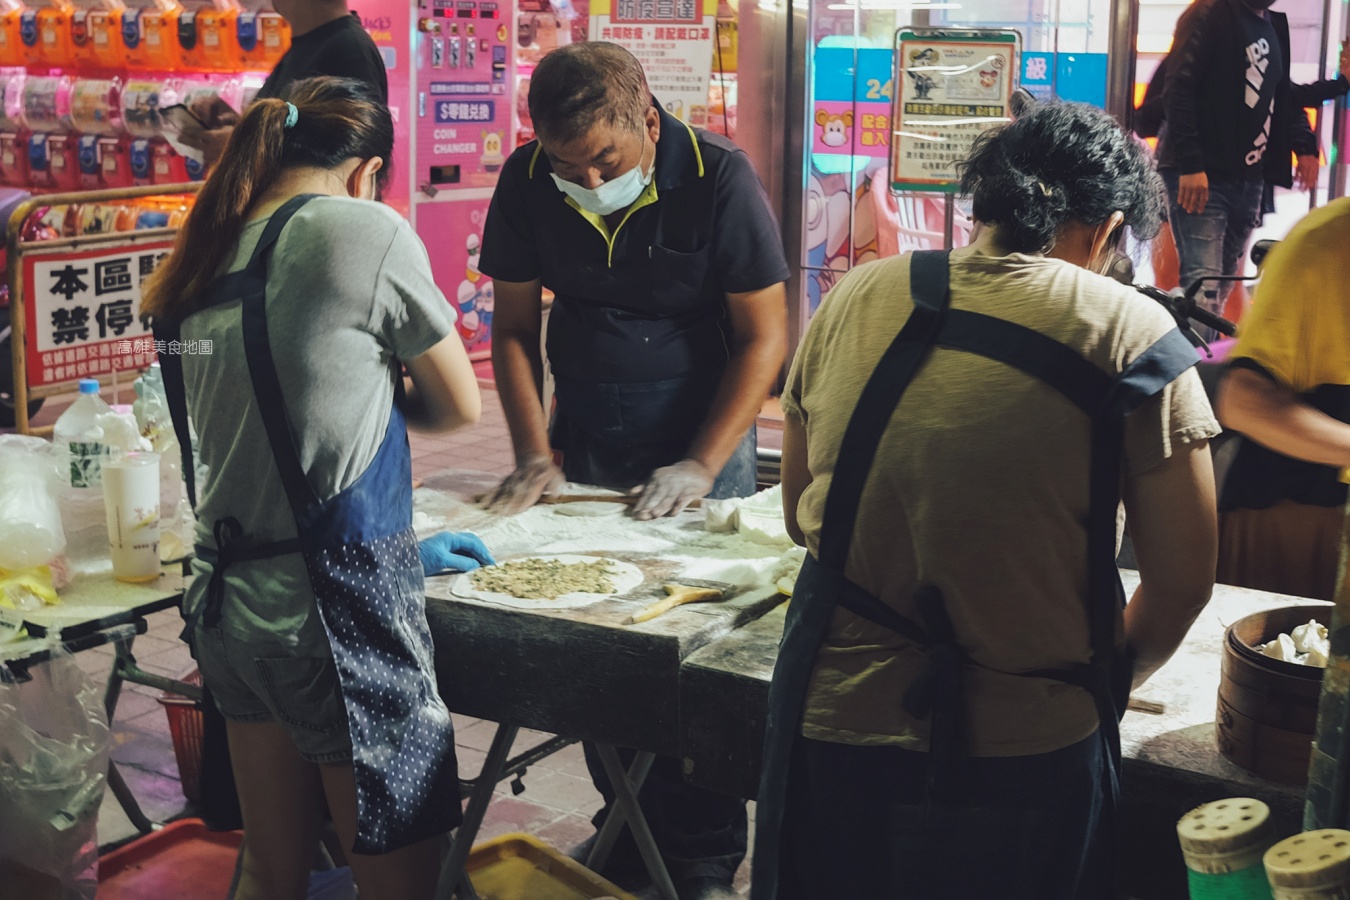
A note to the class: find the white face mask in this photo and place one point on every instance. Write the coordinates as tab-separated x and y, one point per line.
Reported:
612	196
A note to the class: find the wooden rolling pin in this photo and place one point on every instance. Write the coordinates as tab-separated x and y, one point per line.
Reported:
680	594
623	499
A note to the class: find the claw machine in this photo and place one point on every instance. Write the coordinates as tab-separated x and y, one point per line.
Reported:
451	69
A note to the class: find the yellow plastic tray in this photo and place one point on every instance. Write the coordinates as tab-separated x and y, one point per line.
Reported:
522	867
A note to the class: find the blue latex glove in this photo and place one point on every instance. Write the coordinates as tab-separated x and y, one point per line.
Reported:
453	551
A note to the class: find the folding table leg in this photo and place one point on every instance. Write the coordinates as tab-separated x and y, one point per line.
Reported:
627	807
116	783
452	869
128	801
609	832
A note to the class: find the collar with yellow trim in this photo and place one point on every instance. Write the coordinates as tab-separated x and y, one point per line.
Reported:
678	157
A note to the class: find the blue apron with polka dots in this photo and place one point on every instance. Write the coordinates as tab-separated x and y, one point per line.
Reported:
361	555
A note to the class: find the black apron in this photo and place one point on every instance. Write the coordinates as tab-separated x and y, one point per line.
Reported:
822	585
361	556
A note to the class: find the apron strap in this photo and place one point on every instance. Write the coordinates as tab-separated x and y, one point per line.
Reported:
928	279
167	330
231	547
262	368
1105	400
171	368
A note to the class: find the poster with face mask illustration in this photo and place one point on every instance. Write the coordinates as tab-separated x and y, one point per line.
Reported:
673	39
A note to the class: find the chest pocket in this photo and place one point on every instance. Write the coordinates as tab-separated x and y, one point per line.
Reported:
679	280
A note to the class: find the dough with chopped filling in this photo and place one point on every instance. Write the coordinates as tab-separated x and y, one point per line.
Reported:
545	579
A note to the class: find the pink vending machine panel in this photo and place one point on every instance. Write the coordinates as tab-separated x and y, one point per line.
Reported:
464	99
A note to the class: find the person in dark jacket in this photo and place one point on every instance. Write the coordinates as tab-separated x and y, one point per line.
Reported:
1149	115
1232	120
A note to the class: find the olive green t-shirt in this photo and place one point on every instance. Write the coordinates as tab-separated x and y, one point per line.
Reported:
980	487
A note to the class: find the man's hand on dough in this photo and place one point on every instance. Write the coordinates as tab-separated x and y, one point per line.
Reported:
670	489
533	478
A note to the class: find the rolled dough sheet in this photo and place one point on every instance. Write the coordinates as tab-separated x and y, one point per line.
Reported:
590	508
626	577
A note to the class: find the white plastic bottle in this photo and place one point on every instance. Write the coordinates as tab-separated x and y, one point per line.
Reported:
79	444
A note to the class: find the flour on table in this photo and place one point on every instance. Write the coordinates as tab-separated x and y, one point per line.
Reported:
543	530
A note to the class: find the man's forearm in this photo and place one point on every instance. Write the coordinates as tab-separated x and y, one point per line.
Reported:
740	396
519	366
1276	417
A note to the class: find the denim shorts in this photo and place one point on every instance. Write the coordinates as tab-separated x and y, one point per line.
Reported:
296	686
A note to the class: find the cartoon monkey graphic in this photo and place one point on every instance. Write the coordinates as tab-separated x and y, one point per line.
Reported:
834	127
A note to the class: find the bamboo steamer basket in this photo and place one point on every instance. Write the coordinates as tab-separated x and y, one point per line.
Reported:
1267	708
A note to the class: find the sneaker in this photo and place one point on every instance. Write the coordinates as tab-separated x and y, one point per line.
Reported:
632	880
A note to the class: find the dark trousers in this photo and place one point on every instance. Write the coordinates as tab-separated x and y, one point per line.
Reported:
1016	828
701	834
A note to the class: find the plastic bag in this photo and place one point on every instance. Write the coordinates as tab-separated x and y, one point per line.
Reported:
30	519
54	746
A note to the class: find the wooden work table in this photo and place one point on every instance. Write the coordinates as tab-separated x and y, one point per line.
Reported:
583	673
694	683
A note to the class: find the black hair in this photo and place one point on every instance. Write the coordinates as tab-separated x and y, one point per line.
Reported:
1060	162
337	119
580	86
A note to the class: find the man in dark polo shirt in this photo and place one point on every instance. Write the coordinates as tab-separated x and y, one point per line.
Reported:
327	38
667	331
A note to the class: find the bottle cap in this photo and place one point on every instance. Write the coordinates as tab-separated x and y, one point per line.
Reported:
88	385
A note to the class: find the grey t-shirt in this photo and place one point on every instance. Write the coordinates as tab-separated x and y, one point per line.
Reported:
349	291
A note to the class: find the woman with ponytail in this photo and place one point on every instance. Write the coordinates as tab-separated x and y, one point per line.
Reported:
301	300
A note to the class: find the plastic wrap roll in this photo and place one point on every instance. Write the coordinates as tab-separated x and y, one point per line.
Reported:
30	519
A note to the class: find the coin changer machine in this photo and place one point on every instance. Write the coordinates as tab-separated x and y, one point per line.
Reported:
451	70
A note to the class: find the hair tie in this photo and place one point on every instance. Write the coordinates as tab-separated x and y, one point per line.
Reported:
292	114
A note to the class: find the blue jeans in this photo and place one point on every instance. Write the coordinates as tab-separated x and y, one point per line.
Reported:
1212	242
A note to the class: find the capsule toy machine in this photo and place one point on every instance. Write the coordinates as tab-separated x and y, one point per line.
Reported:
261	37
463	132
11	44
103	149
52	151
53	25
103	25
13	131
143	99
151	33
217	25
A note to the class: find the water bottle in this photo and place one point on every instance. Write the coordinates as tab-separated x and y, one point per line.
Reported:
152	417
79	445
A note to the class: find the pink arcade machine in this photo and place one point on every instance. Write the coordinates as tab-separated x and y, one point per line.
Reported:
451	69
